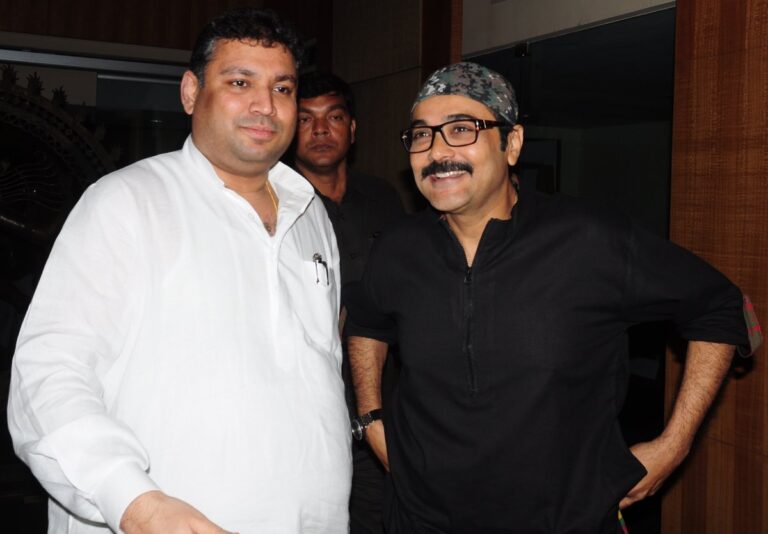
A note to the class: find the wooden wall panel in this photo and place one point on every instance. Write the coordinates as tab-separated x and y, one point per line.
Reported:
314	19
385	50
377	50
440	34
383	105
745	21
722	491
719	209
31	16
375	38
165	24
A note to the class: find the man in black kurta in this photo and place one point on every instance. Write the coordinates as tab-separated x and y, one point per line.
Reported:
510	309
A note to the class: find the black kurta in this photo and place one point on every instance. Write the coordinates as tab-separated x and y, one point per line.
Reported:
504	418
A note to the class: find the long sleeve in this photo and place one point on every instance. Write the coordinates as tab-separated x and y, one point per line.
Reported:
75	330
665	281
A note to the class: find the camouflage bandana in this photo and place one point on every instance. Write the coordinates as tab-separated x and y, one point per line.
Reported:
476	82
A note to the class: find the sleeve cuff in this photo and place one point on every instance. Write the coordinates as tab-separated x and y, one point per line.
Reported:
754	332
119	489
386	336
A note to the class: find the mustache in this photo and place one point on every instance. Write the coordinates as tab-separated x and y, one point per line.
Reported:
446	166
251	122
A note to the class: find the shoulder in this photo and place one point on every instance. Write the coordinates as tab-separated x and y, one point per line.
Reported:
142	177
371	186
124	197
577	217
409	231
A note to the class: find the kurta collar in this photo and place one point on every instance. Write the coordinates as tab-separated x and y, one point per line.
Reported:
295	193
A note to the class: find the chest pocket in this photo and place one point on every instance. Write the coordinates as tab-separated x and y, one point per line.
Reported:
313	302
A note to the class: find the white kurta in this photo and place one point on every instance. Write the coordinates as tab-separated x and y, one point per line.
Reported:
173	344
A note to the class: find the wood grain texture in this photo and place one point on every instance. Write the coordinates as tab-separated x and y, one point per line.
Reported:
383	104
30	16
440	34
719	209
372	39
313	20
385	50
167	23
457	26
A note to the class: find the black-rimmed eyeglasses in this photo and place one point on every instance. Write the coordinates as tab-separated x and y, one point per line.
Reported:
459	132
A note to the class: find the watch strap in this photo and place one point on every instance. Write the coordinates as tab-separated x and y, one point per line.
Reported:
361	422
368	418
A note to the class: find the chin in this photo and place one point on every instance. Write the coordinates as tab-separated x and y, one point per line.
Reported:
444	206
444	203
320	163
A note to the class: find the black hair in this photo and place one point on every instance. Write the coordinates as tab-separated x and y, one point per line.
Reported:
317	83
504	131
244	24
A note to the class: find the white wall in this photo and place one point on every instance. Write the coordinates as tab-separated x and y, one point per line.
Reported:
489	24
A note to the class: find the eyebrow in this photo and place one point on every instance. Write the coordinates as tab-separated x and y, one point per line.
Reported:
334	107
237	70
286	78
448	118
251	73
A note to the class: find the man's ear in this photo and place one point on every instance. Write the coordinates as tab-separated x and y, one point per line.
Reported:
190	87
352	128
514	144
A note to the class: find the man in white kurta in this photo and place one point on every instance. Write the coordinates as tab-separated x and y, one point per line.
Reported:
183	342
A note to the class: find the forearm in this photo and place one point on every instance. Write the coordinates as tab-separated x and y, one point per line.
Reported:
706	366
72	338
366	359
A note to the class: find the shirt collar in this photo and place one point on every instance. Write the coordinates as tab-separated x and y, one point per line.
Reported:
295	193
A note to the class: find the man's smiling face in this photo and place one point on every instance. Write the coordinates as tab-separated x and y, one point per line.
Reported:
468	179
244	116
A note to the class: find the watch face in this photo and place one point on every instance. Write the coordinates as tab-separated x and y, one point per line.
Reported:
357	429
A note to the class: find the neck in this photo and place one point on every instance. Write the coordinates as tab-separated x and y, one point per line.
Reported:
262	199
244	184
237	176
469	226
331	182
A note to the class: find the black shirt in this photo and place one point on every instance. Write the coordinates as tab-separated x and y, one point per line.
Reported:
368	206
513	372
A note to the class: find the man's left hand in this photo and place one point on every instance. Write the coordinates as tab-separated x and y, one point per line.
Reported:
659	457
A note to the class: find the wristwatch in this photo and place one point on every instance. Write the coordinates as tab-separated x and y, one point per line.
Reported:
361	422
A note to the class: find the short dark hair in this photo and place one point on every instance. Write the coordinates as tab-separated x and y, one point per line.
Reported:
503	130
244	24
313	84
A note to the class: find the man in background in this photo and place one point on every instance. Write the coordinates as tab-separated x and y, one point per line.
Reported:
178	369
359	207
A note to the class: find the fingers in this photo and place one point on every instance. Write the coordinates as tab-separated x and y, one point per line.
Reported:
377	440
157	513
647	487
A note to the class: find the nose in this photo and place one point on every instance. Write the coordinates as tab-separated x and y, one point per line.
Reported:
320	127
440	150
261	102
